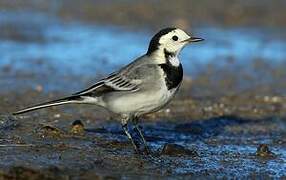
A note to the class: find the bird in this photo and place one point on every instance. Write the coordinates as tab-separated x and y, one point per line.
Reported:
144	86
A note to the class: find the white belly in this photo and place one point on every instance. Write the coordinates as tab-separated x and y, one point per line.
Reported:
139	103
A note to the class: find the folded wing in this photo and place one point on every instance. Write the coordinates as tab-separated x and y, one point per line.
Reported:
114	82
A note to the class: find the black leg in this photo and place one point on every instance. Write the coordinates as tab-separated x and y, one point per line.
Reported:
125	129
135	121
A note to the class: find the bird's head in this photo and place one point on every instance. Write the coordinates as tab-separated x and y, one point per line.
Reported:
170	40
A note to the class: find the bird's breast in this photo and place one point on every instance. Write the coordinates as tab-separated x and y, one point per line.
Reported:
173	75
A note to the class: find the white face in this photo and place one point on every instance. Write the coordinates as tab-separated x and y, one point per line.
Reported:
174	41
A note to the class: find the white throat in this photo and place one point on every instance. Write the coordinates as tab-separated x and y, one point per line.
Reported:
160	57
174	60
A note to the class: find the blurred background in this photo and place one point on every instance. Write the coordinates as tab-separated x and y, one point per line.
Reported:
47	44
228	116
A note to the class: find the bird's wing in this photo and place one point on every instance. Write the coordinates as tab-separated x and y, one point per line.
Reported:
113	82
129	78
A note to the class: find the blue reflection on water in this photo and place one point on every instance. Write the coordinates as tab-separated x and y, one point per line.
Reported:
86	49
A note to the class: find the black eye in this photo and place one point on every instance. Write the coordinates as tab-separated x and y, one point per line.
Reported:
175	38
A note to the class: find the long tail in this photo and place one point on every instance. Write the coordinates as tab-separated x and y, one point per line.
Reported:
66	100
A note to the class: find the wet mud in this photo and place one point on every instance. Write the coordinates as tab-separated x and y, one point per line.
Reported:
216	136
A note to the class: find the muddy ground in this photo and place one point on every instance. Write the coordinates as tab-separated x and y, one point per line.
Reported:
209	130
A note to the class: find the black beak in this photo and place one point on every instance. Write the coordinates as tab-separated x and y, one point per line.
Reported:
193	39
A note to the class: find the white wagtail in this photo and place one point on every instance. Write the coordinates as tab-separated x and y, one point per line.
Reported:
143	86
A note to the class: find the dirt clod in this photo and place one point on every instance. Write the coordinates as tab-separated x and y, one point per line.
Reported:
77	128
264	151
50	131
177	150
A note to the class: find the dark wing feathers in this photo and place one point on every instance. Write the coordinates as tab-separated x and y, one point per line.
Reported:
114	82
95	86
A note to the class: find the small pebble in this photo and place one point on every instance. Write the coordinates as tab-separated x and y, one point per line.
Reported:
77	127
264	151
50	131
57	115
177	150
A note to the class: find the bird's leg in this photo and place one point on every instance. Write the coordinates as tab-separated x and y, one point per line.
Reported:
125	129
135	121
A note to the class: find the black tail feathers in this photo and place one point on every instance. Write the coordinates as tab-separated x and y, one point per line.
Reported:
66	100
